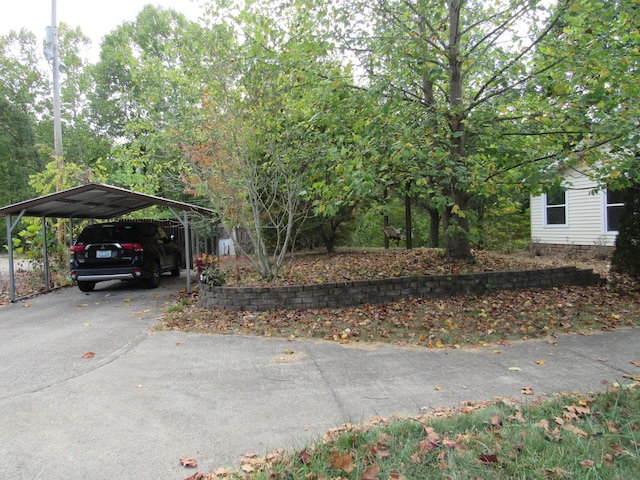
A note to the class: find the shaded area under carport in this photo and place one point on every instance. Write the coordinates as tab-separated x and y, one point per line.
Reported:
93	201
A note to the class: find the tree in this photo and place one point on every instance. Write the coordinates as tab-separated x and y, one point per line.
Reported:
473	76
147	85
22	101
241	152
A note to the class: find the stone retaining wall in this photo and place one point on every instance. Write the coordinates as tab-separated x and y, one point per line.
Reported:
349	294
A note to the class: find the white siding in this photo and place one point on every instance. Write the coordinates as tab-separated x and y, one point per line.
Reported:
585	216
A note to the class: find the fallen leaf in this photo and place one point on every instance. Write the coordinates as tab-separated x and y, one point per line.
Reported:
428	445
342	462
618	450
196	476
514	369
178	344
380	450
488	458
540	362
371	473
602	359
557	473
633	362
82	305
526	391
188	462
544	424
635	378
305	457
288	351
573	429
396	475
448	443
89	355
588	463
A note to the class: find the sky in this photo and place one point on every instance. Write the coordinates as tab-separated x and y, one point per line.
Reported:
95	18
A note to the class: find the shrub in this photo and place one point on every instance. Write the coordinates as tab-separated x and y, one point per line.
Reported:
626	256
209	270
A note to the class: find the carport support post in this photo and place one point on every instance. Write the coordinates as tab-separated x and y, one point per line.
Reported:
187	245
12	273
45	254
187	250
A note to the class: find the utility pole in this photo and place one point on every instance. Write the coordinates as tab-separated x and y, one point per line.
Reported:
52	54
57	125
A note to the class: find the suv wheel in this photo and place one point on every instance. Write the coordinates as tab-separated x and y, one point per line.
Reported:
154	280
86	286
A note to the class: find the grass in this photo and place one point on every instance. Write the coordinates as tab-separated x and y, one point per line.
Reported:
587	437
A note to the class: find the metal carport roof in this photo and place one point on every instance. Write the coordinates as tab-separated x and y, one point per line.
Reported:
94	201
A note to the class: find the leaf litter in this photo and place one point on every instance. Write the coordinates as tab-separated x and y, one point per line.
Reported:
433	323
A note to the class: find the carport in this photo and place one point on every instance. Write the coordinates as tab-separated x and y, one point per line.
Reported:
93	201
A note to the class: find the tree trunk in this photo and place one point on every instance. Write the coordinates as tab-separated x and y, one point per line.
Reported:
386	219
456	223
456	227
434	227
407	219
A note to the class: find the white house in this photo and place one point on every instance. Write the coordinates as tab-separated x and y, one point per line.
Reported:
581	214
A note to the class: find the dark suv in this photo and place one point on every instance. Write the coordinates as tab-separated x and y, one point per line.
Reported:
123	251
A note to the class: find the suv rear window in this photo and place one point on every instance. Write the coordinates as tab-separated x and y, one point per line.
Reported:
116	233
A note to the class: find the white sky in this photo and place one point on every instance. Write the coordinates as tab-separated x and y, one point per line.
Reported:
95	18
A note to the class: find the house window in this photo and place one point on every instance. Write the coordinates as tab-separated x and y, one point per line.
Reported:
556	207
614	208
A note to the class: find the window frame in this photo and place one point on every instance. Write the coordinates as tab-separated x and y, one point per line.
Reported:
546	206
606	206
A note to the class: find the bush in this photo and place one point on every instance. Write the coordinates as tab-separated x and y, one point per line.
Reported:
626	256
209	270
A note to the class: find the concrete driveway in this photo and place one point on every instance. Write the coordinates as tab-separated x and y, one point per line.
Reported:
145	400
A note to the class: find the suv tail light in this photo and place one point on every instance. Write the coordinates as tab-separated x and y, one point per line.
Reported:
136	247
77	248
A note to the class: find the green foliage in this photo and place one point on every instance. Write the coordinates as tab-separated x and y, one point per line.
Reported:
369	229
467	104
65	175
148	87
28	243
18	157
209	271
626	256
